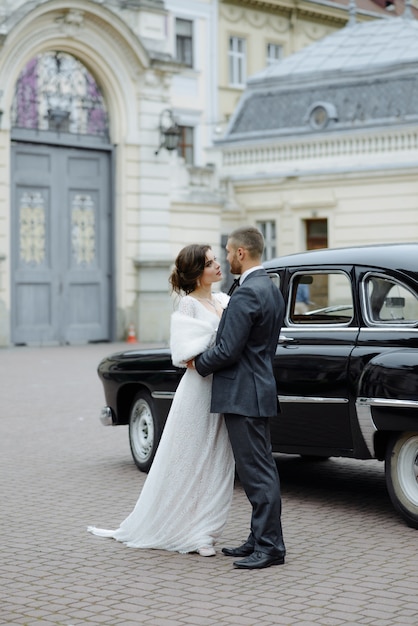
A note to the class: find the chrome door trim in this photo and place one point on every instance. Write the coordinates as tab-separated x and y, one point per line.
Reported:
311	399
163	395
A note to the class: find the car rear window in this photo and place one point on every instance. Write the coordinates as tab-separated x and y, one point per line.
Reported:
388	301
320	298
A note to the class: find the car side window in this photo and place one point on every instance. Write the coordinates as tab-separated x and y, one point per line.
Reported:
320	298
387	301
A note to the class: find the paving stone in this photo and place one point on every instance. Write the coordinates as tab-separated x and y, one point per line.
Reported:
350	559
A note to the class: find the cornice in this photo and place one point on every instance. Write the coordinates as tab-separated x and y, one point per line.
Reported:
267	5
321	10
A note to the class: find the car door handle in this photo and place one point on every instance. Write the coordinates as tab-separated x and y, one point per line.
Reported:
284	339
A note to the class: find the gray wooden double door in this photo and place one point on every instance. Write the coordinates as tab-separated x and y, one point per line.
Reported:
61	257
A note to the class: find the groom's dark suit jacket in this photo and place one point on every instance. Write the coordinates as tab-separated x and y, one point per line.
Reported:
242	359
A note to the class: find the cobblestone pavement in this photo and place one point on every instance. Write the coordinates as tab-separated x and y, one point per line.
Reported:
351	560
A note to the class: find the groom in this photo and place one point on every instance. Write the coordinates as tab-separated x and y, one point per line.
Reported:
244	390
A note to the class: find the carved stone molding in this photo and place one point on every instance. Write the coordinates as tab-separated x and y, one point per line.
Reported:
154	84
75	23
257	18
316	148
71	22
279	24
231	13
315	31
327	12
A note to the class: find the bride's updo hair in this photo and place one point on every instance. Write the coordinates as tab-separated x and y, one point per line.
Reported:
189	266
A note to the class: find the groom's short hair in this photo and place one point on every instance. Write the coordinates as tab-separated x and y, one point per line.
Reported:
250	238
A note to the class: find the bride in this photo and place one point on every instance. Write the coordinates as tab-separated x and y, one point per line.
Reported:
185	500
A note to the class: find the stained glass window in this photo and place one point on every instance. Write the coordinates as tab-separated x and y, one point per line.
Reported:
55	91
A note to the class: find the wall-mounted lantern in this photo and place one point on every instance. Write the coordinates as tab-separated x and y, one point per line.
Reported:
169	131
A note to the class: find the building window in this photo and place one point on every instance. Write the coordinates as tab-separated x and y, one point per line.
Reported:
186	144
184	42
55	91
269	233
274	53
237	61
316	234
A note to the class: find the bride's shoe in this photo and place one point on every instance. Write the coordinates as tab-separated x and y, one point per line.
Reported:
207	551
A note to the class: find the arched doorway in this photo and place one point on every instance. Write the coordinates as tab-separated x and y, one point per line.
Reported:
61	205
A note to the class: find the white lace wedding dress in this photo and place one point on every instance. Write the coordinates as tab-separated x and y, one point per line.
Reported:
186	496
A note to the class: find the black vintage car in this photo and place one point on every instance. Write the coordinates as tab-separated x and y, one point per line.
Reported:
346	366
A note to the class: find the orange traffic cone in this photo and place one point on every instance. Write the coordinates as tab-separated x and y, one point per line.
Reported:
131	335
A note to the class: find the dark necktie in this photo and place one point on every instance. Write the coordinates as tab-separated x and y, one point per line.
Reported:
234	285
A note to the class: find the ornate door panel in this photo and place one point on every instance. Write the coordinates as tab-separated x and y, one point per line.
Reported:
60	244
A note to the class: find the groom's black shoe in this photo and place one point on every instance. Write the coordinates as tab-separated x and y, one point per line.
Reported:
244	550
258	560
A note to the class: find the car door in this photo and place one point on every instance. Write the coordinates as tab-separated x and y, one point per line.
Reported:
384	362
312	364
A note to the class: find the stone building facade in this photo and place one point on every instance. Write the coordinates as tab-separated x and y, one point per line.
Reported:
84	208
93	209
322	149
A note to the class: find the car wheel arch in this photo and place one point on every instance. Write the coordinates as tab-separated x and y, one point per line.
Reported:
381	441
125	399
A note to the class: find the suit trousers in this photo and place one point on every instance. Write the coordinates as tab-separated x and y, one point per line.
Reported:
257	471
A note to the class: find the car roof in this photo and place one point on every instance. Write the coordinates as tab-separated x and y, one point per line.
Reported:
402	256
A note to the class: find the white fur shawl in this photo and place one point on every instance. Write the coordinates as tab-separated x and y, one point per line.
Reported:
188	337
